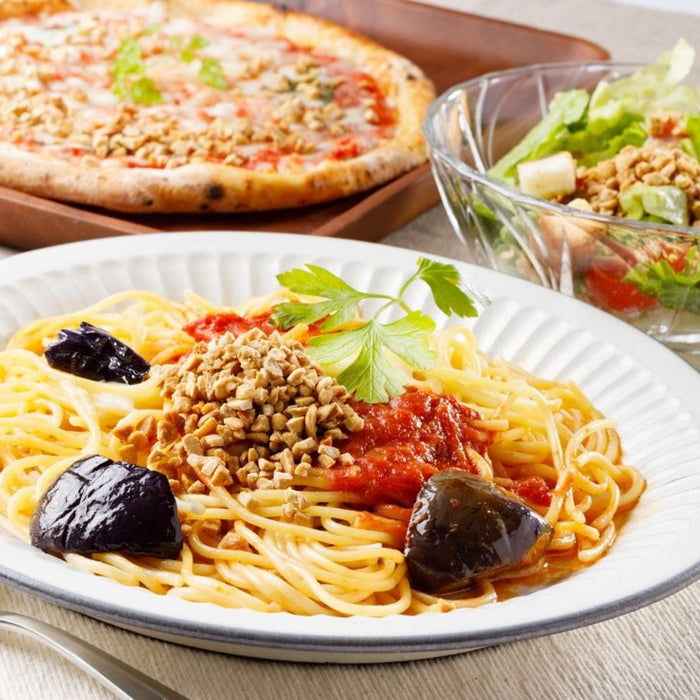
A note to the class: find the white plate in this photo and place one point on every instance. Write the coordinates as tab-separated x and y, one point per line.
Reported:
650	392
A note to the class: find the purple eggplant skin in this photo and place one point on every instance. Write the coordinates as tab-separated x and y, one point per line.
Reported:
92	353
462	527
98	505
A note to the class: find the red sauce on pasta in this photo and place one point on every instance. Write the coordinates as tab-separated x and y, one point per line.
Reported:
534	489
403	443
213	325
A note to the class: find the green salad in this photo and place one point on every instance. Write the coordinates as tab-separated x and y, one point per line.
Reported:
629	149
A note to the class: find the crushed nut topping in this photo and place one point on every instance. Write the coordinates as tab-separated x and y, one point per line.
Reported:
657	162
57	93
293	508
136	440
251	411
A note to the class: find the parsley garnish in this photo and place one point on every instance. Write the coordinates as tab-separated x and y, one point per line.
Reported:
211	71
212	74
130	80
445	283
677	290
370	374
144	91
195	43
175	42
129	64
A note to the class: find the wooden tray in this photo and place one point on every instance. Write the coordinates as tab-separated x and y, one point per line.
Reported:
450	47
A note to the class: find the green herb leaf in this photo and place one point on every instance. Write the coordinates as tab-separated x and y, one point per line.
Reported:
127	63
369	345
327	93
144	91
371	374
331	348
119	87
129	60
408	339
212	74
188	54
340	307
289	313
445	284
198	42
175	42
677	290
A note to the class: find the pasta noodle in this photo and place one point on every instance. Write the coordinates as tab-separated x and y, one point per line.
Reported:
340	559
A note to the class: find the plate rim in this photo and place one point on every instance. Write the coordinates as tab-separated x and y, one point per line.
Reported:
463	641
323	643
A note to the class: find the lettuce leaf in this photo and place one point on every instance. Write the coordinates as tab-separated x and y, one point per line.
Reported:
589	147
691	145
664	203
567	108
675	289
650	89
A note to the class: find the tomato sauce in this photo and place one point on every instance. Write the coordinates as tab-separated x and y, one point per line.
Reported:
403	443
345	147
370	521
356	87
214	325
267	156
534	489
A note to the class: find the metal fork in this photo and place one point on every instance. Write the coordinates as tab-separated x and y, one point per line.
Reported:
123	680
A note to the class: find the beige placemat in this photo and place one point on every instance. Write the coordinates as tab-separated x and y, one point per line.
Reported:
650	653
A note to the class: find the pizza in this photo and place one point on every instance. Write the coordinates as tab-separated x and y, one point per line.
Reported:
199	105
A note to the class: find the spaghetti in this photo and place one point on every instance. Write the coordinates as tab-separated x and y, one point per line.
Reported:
302	545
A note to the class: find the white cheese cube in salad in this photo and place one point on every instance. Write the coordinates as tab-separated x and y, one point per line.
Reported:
548	177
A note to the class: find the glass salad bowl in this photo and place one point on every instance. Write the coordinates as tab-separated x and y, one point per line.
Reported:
645	272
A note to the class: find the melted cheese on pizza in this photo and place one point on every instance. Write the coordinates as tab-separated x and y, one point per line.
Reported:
148	90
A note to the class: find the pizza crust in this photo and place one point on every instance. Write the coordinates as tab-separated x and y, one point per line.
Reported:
17	8
197	187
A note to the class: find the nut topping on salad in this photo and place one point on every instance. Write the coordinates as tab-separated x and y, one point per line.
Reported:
614	186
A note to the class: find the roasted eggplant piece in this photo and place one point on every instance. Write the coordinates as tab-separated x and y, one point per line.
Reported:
462	527
98	505
92	353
